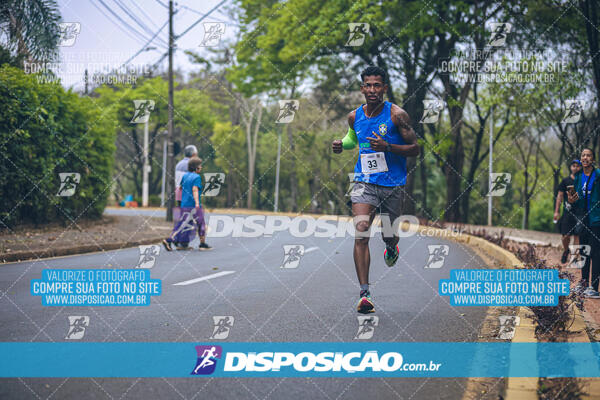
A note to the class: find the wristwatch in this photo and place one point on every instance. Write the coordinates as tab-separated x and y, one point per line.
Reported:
388	148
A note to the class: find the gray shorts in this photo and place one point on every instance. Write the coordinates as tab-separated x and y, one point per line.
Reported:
388	199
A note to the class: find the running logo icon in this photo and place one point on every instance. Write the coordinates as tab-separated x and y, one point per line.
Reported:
68	183
431	111
223	325
499	183
77	325
148	255
68	33
214	181
574	109
292	253
143	108
508	325
579	255
207	359
437	255
212	34
357	33
500	31
366	326
287	111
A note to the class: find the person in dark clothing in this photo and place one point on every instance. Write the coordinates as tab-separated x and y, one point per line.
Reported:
566	222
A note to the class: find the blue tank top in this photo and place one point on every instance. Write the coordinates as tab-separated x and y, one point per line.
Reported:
383	125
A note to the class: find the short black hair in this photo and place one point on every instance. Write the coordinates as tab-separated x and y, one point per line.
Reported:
591	151
194	163
374	70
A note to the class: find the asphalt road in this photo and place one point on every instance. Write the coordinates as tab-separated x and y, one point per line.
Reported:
313	302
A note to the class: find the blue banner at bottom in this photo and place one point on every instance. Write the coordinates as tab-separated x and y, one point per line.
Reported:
300	359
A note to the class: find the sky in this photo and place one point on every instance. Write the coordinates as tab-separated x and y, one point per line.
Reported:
104	42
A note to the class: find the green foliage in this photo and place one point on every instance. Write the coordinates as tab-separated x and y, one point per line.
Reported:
194	117
46	130
542	214
31	28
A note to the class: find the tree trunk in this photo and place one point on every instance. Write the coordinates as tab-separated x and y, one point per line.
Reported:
456	98
525	224
230	187
414	109
472	170
251	141
589	9
423	170
293	176
138	163
454	167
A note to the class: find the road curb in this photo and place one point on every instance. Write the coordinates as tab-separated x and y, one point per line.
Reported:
74	250
29	255
516	388
526	388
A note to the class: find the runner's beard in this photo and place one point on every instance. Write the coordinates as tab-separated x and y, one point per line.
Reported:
374	103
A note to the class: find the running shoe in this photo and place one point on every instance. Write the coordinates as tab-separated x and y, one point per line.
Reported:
580	286
565	254
204	247
592	294
167	245
183	246
391	255
365	304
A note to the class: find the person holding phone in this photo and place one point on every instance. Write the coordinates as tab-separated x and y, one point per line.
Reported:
585	198
566	222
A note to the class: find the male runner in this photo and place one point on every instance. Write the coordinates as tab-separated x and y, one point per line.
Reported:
385	138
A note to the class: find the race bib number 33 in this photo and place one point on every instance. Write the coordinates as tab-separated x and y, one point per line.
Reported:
372	163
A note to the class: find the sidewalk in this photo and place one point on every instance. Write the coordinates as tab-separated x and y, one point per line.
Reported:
536	238
108	233
548	247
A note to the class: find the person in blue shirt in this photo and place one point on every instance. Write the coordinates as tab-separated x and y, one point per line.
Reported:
585	198
191	218
182	168
385	138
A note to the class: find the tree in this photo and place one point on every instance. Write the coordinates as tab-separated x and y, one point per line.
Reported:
47	131
242	110
283	43
528	147
484	108
31	28
251	117
194	119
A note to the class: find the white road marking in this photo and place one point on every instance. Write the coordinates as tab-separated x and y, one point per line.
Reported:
310	249
204	278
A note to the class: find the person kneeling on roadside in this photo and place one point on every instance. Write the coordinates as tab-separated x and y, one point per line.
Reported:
191	218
